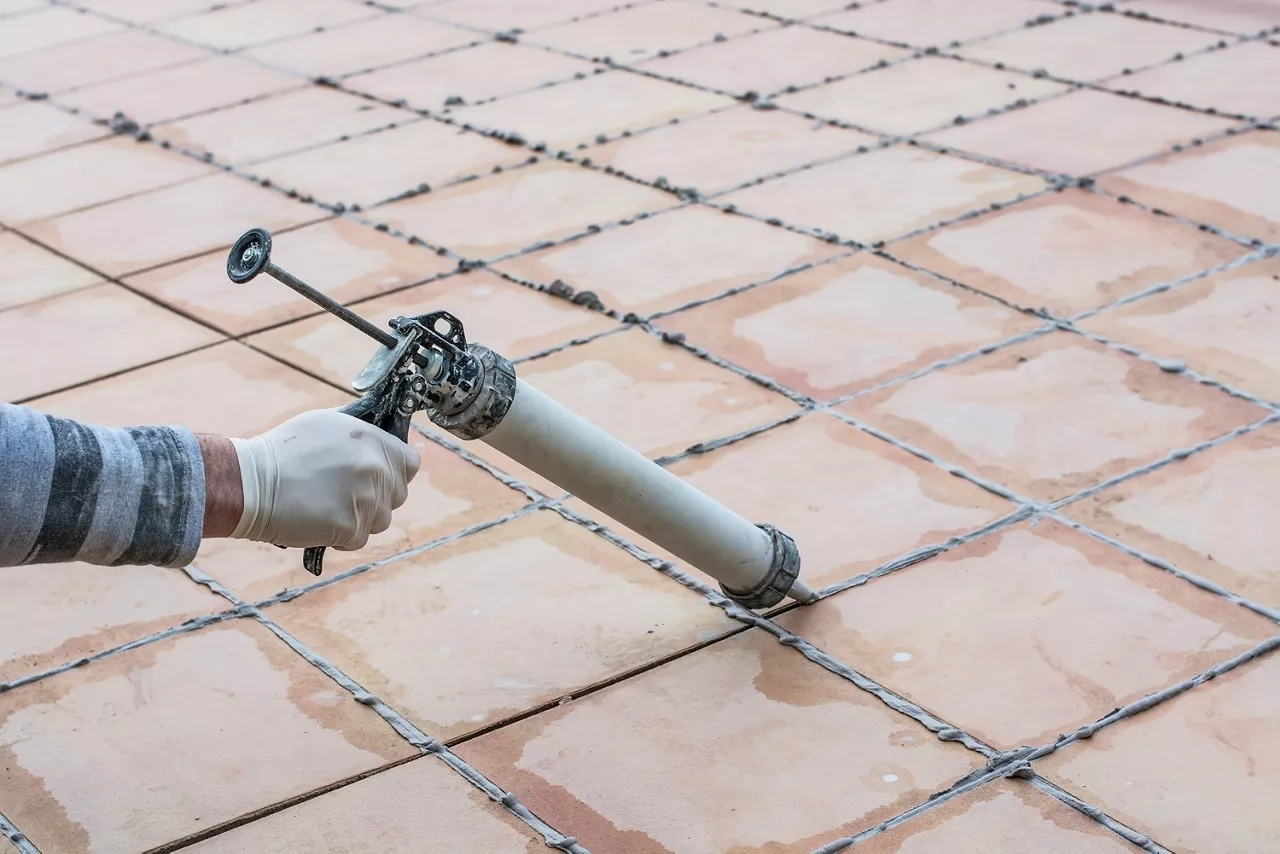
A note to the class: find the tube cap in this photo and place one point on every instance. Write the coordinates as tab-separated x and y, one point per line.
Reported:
783	573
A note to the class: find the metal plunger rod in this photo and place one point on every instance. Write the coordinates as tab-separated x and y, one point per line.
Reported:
386	339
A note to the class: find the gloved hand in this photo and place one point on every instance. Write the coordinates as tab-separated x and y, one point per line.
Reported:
322	478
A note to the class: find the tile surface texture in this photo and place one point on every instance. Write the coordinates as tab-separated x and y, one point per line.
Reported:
976	301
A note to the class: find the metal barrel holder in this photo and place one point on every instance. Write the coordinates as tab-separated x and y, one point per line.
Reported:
425	363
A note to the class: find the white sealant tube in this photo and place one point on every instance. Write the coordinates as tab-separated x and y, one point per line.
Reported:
582	459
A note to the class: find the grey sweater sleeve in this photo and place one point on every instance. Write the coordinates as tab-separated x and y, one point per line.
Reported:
71	492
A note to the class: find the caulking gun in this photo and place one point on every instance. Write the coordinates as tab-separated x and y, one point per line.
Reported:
425	363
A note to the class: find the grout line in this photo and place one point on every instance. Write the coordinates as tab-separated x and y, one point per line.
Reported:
1132	836
16	838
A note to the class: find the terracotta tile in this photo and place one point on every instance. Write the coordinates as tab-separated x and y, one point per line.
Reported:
797	477
1226	183
182	90
227	389
399	811
145	11
583	110
474	74
493	653
366	44
672	259
29	128
248	24
1207	514
1226	730
166	225
95	60
48	27
87	175
926	632
511	212
651	764
788	8
917	96
344	259
1004	815
511	319
113	330
378	166
29	273
253	722
1240	16
935	22
502	15
1089	47
1081	133
884	194
281	123
1231	80
448	495
1222	325
1052	416
88	609
640	32
846	325
1067	252
773	60
722	150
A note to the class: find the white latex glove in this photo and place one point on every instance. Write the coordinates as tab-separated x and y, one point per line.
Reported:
323	478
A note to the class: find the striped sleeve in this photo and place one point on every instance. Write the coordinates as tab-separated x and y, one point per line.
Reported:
111	497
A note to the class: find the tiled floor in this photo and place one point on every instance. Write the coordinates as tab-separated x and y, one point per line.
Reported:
978	299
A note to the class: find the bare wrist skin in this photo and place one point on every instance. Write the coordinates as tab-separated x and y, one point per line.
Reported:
223	490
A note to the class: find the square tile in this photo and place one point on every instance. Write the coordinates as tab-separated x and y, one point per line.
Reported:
1227	183
379	166
398	811
248	24
473	74
653	764
1222	325
372	43
725	149
1067	252
1226	730
935	22
1081	133
641	32
504	15
182	90
86	175
1052	416
32	127
1234	80
581	111
797	477
1083	628
111	330
773	60
917	96
1003	815
146	11
95	60
846	325
155	228
89	609
1208	514
346	260
1089	47
253	722
492	652
508	213
884	194
1239	17
29	272
281	123
670	260
508	318
48	27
